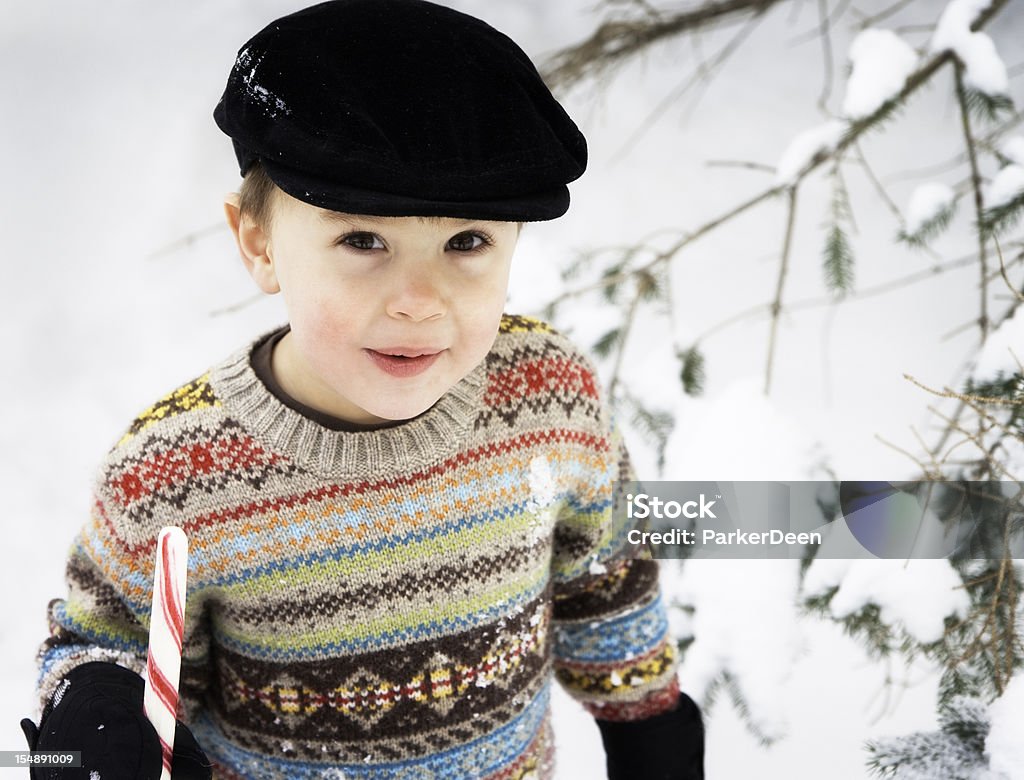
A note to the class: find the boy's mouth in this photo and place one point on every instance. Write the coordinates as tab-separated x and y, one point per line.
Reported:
406	352
403	361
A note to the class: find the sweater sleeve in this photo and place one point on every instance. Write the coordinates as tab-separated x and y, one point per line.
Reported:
612	647
105	613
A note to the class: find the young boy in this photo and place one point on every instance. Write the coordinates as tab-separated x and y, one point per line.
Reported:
398	505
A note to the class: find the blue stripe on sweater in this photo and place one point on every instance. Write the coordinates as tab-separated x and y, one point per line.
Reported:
607	641
199	557
478	758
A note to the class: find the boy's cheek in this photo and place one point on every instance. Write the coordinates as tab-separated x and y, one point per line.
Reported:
483	331
313	306
326	326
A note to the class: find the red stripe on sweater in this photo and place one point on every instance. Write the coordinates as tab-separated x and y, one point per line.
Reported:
177	465
539	377
524	441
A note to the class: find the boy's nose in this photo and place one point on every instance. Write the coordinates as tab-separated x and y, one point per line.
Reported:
415	296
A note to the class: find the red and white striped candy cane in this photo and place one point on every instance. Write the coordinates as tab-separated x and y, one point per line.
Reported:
166	630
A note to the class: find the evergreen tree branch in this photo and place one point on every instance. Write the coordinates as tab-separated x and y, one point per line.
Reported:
881	16
748	164
616	41
834	15
704	74
979	203
914	82
987	464
231	308
987	143
883	193
998	642
1018	296
962	403
663	256
627	326
825	35
966	397
187	241
838	266
1003	217
929	471
776	305
866	292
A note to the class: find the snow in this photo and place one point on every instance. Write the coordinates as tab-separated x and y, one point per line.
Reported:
1003	351
1006	185
803	148
1012	456
1004	745
751	632
103	328
984	70
273	103
1013	148
927	201
881	63
738	434
916	594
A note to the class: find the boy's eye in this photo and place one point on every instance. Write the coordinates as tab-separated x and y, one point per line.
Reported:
362	241
467	242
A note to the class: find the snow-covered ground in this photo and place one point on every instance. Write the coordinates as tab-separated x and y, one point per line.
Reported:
111	157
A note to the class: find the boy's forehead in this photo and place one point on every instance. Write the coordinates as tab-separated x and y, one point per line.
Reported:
340	217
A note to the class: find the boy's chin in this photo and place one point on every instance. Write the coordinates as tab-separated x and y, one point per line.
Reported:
399	410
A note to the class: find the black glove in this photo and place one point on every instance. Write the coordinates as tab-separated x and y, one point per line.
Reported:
97	709
669	746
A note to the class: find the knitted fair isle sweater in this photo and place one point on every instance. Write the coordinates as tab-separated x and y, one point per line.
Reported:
379	604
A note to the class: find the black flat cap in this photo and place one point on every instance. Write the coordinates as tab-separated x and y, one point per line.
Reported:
401	108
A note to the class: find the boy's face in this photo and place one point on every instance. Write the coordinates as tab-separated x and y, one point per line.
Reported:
386	313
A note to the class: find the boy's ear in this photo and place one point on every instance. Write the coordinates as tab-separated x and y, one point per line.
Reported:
253	245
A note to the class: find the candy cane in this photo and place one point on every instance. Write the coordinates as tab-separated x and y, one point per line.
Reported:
166	629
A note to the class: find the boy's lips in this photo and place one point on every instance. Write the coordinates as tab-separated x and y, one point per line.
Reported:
408	352
404	361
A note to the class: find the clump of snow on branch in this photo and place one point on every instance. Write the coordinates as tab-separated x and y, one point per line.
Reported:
1013	149
804	147
917	594
927	202
1005	186
1002	349
750	632
737	434
1004	745
881	62
984	70
954	752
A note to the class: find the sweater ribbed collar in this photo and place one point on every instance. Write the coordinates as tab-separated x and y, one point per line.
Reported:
432	436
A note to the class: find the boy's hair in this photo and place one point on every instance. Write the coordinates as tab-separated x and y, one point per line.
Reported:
256	195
